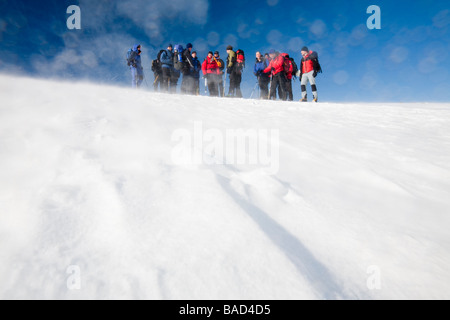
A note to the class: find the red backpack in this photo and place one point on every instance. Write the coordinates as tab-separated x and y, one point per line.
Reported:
240	60
287	63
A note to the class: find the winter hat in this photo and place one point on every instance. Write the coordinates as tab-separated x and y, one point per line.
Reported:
217	52
305	49
189	45
210	52
194	52
229	48
271	51
170	45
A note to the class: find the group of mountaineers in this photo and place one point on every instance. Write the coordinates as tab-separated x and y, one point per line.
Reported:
274	72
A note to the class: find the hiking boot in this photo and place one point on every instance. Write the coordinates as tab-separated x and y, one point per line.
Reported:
315	99
304	100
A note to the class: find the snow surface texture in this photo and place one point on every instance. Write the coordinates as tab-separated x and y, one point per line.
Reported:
93	204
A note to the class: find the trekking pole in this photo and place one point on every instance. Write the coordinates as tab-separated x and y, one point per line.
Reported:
270	85
253	91
145	79
225	84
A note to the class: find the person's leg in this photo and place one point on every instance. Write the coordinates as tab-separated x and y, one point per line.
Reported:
232	90
220	86
289	93
191	87
140	78
281	85
238	85
174	76
183	84
312	81
165	79
304	82
214	86
196	86
273	88
133	77
264	87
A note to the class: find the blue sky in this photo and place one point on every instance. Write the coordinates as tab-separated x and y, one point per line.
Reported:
407	60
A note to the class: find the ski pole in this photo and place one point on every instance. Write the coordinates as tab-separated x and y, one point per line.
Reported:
253	91
270	85
225	84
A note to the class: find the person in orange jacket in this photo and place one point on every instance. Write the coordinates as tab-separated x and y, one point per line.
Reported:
211	71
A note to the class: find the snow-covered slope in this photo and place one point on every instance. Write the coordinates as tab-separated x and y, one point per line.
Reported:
100	198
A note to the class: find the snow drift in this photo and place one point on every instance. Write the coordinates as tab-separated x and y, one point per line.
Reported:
94	203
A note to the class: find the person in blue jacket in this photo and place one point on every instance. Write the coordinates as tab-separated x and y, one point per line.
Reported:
196	73
261	63
167	66
137	72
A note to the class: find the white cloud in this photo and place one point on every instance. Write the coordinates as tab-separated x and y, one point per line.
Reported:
231	39
274	37
272	3
213	38
427	65
442	19
359	33
399	54
368	81
201	46
150	14
318	28
341	77
245	32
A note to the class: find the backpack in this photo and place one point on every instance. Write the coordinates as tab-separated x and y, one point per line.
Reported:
219	63
240	60
129	56
287	62
178	62
156	64
294	66
317	67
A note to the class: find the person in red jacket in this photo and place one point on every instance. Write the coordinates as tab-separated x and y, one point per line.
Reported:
288	70
278	82
211	71
307	73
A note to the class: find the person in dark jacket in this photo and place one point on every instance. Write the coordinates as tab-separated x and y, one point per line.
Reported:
211	72
235	74
263	78
276	68
137	71
307	73
167	66
196	73
221	64
187	84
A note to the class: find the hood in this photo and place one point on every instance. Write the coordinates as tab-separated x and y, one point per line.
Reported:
135	47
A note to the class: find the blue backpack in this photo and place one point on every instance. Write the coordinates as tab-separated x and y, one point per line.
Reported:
178	62
129	52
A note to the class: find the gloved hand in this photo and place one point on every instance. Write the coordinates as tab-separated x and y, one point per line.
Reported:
315	74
